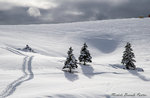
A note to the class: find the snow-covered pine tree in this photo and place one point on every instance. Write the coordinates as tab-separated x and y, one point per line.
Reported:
128	57
70	62
85	55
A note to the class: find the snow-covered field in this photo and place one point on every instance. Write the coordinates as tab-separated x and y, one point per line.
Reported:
39	75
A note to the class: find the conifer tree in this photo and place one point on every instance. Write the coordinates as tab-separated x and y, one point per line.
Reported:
85	55
128	57
70	62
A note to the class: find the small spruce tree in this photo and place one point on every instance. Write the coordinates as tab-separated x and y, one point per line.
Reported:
85	55
70	62
128	57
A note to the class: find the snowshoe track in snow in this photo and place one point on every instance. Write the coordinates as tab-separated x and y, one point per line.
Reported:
27	74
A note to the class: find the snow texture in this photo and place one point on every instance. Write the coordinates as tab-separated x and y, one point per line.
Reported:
39	75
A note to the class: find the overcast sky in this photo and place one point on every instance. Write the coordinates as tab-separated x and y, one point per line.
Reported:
59	11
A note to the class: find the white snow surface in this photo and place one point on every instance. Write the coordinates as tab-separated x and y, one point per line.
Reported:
40	75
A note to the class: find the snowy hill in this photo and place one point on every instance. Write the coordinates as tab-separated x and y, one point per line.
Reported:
39	75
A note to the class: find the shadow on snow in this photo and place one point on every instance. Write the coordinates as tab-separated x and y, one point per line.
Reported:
71	76
27	75
103	43
87	70
133	72
77	96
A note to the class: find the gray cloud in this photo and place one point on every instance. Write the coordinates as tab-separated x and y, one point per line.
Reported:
75	10
17	16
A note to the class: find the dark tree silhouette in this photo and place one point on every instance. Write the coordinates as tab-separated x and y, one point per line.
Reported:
85	55
70	62
128	57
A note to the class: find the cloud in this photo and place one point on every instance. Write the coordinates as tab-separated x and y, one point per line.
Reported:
59	11
33	12
18	15
43	4
97	9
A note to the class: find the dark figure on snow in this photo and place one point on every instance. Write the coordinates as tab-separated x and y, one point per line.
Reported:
28	49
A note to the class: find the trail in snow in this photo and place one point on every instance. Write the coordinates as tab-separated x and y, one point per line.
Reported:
106	40
27	74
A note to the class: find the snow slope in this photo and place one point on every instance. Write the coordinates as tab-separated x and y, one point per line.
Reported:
39	75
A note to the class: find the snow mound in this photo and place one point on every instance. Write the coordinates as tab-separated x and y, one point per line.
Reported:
27	49
36	71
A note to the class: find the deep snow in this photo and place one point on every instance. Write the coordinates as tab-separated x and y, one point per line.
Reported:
39	75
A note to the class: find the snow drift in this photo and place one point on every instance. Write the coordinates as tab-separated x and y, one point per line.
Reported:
32	75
